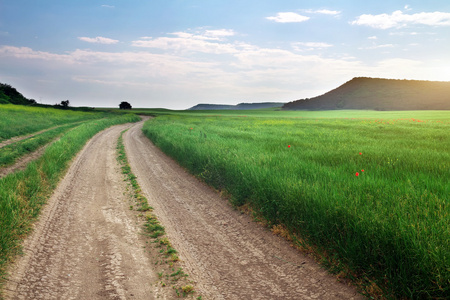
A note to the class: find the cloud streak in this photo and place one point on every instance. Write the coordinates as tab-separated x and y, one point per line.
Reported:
288	17
302	46
398	19
322	11
98	40
209	41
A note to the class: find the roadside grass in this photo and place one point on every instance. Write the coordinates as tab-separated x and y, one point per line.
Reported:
162	251
23	193
16	120
368	195
10	153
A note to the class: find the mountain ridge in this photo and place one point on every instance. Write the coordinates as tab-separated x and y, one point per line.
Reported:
380	94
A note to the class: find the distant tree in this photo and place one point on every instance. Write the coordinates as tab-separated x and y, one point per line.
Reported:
65	103
125	105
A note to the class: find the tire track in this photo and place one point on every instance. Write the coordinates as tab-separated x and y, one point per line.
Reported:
22	162
87	243
19	138
223	251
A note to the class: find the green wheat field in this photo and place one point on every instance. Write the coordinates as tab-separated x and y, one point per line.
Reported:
367	189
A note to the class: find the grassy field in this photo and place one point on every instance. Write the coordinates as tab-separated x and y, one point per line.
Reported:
23	193
10	153
16	120
368	189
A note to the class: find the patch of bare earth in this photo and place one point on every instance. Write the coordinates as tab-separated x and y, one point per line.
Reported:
19	138
22	162
226	254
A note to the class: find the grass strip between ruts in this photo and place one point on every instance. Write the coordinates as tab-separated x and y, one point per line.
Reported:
10	153
162	252
17	120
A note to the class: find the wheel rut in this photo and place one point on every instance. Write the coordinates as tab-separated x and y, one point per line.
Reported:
87	243
223	251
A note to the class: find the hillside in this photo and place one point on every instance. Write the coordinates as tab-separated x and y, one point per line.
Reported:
240	106
9	95
380	94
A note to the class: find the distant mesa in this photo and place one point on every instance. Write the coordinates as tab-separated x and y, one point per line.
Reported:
380	94
240	106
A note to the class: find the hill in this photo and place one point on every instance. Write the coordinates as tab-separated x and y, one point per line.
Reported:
380	94
9	95
240	106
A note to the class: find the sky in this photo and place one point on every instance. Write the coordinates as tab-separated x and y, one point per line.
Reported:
178	53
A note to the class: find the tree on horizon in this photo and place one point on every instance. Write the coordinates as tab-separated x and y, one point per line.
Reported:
124	105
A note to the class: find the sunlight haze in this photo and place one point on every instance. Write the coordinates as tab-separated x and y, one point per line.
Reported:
176	54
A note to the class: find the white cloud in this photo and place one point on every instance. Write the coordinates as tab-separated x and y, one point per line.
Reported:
28	53
108	6
322	11
209	41
220	33
301	46
372	37
315	45
328	12
378	46
288	17
398	19
403	33
98	40
185	44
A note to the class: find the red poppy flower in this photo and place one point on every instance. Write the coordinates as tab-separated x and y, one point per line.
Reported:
357	174
362	170
360	153
289	146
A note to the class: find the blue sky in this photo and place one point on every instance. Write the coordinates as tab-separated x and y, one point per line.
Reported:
175	54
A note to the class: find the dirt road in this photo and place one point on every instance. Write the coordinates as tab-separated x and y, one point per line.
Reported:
228	255
87	243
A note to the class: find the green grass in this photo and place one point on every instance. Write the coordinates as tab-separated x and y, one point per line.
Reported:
23	193
389	224
16	120
10	153
155	231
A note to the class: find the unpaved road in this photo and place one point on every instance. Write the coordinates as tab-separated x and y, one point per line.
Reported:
228	255
87	243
